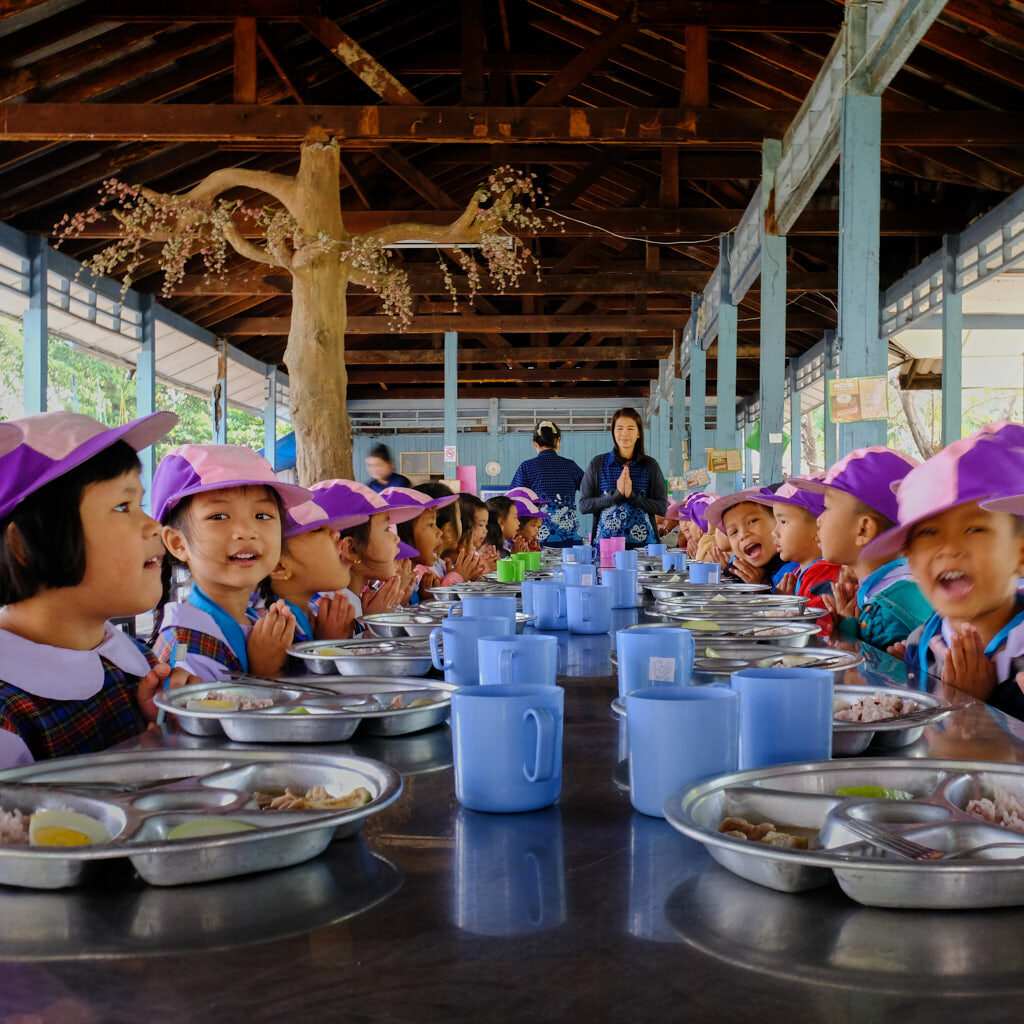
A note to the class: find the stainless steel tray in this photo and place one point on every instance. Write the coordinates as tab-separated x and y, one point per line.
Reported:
741	602
362	703
475	587
405	656
160	790
983	865
849	738
661	591
398	624
747	611
785	633
734	658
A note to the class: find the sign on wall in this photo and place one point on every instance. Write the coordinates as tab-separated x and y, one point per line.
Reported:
852	399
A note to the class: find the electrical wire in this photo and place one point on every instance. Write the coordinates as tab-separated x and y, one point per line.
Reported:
634	238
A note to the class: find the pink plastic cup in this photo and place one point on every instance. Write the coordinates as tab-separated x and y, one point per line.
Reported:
608	546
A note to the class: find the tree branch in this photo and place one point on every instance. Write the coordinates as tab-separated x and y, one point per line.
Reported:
465	229
249	250
280	186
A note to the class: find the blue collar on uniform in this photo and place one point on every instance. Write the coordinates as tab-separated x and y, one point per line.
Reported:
233	632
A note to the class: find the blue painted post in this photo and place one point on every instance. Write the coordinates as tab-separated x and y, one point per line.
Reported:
145	382
725	415
698	398
493	435
34	327
773	325
795	422
678	426
270	417
220	395
862	352
451	400
952	346
664	441
831	454
748	454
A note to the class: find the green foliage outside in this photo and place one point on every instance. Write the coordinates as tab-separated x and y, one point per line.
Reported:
82	382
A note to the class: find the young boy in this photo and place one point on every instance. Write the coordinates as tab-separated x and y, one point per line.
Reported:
967	560
796	537
877	600
748	525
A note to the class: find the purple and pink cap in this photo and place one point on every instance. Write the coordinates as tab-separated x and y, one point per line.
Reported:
36	450
198	468
408	503
790	493
695	508
868	475
526	493
985	467
355	499
717	509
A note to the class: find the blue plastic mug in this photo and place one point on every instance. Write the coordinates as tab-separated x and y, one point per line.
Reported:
655	549
568	555
785	715
678	735
626	559
507	743
576	574
529	658
673	561
549	605
654	657
582	553
510	872
484	606
705	572
526	595
623	584
588	609
460	635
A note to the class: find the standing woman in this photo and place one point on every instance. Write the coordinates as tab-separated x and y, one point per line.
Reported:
556	480
381	468
624	488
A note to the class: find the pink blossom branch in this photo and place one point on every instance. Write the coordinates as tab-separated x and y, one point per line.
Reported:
280	186
250	250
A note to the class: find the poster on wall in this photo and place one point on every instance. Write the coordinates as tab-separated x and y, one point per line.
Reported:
725	460
698	478
852	399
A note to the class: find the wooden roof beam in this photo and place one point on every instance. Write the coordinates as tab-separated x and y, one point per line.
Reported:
207	10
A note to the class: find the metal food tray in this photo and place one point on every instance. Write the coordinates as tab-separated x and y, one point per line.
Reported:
762	606
850	738
141	795
398	624
404	656
783	633
474	588
661	591
733	613
737	658
982	866
358	704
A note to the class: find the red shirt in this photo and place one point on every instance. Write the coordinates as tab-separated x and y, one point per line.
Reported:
816	579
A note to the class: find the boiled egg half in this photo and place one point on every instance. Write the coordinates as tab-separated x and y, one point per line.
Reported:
65	828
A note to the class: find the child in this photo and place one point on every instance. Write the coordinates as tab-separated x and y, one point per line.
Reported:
748	526
967	560
473	515
531	518
504	517
221	507
370	549
427	536
311	563
76	550
796	537
875	599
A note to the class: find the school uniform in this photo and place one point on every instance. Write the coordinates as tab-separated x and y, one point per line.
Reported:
891	606
55	702
924	658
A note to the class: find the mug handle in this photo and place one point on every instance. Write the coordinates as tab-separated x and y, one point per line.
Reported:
560	604
435	652
544	755
505	656
558	574
451	611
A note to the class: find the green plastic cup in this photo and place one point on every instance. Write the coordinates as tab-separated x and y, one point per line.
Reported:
507	568
532	560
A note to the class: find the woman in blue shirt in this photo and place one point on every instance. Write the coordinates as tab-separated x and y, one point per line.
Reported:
556	480
381	468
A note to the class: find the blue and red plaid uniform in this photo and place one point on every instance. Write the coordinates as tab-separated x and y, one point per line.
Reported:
196	642
59	728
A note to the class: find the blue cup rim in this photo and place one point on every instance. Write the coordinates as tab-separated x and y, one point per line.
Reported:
519	638
682	694
495	690
451	622
821	674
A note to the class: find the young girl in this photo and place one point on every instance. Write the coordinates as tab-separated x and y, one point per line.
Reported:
873	599
221	507
311	564
748	525
796	537
473	515
76	550
967	560
503	522
531	518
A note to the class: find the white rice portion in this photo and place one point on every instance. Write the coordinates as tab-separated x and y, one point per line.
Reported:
13	827
1005	808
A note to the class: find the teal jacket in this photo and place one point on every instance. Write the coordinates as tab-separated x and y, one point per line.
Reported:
889	617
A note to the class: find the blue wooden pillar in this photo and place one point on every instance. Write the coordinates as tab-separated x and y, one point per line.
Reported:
145	382
862	352
493	434
773	325
831	453
34	327
220	395
698	398
451	398
725	414
664	419
748	453
795	421
270	417
952	346
678	431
